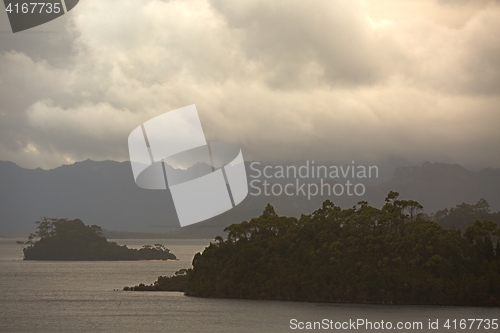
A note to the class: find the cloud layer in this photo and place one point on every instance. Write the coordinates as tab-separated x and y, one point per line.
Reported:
333	81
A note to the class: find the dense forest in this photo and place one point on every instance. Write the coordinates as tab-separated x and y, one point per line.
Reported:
63	239
393	255
463	215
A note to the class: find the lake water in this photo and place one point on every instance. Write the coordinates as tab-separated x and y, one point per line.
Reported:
42	296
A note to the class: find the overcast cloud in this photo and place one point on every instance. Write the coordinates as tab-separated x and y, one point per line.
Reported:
333	81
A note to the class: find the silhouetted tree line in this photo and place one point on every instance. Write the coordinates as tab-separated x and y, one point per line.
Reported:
63	239
463	215
392	255
164	283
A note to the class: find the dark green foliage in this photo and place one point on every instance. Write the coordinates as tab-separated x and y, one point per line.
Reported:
362	254
164	283
63	239
463	215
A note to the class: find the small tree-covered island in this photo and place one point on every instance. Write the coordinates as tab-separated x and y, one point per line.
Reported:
393	255
64	239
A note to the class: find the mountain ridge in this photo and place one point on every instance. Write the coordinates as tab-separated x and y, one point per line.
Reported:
104	193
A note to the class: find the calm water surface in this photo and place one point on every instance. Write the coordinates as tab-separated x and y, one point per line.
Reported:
42	296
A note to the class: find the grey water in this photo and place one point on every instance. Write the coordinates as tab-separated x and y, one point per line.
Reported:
48	296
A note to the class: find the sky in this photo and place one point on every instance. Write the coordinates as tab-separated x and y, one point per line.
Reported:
325	80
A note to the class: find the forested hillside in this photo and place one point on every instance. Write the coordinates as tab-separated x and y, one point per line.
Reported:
63	239
362	254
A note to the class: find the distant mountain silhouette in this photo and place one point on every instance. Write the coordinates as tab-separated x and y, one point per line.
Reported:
104	193
438	185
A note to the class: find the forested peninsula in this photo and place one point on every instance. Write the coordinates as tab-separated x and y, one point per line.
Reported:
392	255
64	239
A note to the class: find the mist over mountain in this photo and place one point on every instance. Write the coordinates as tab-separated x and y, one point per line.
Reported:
438	185
104	193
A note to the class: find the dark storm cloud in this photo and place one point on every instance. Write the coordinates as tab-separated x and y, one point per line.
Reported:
51	42
329	39
331	81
